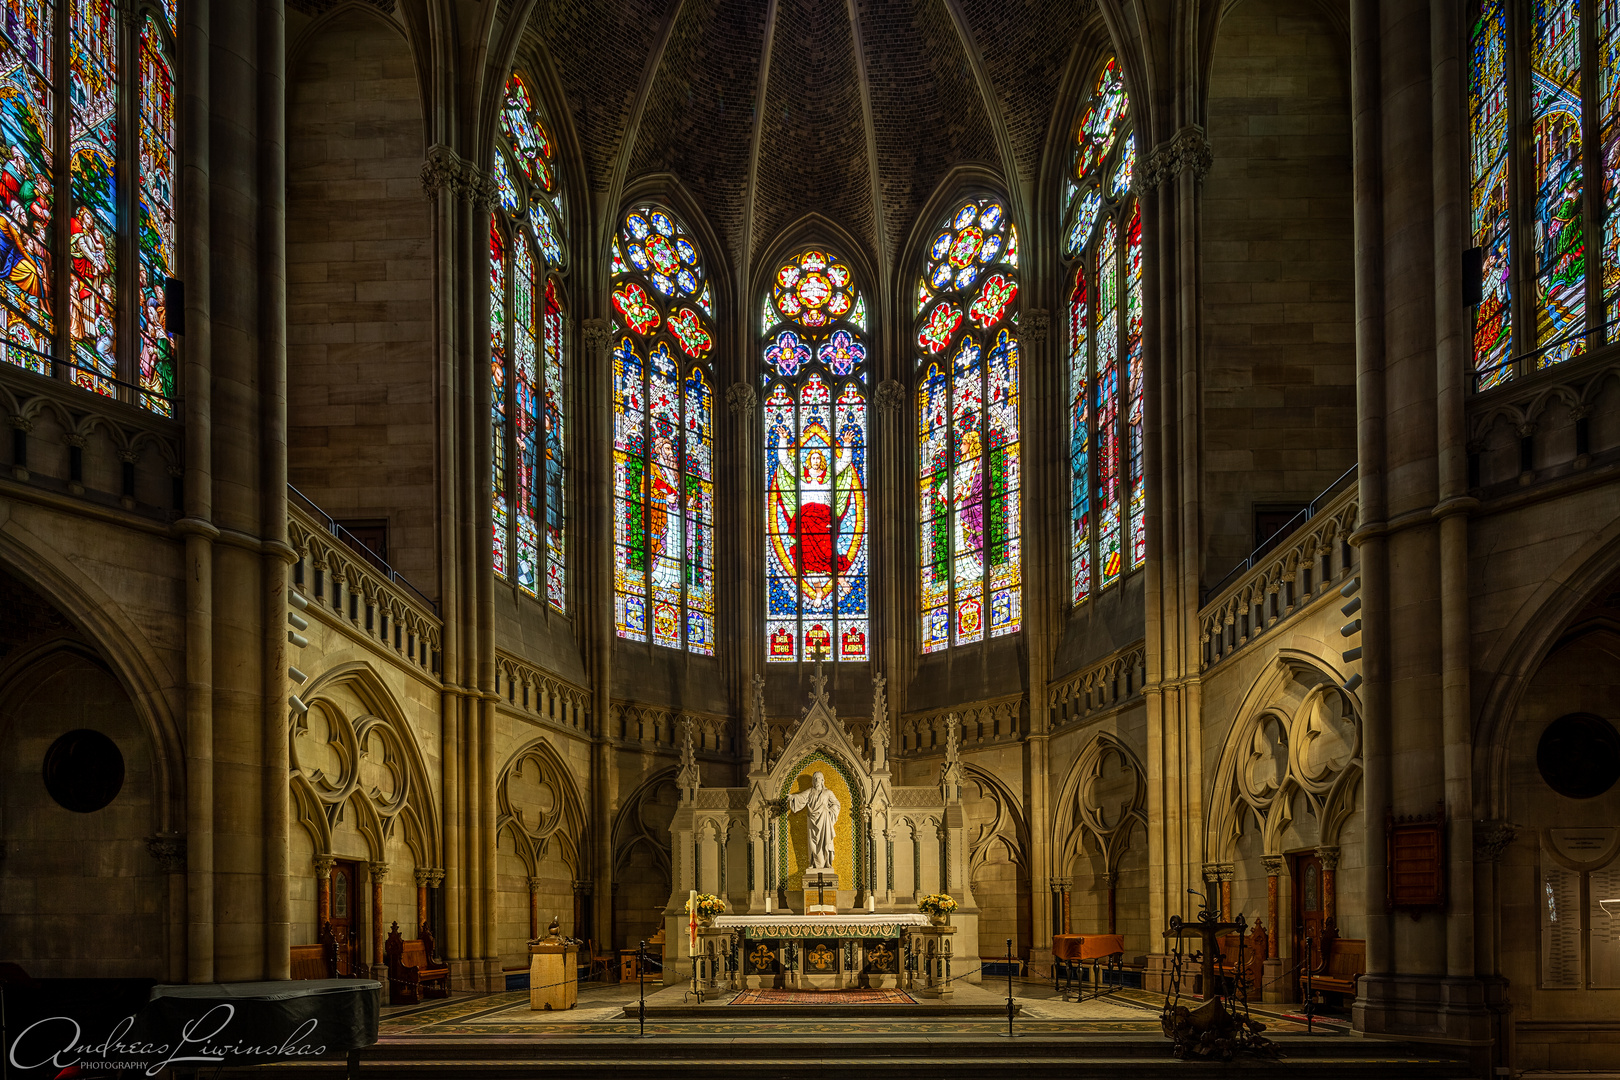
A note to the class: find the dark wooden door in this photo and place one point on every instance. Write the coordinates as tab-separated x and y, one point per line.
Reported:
345	914
1308	908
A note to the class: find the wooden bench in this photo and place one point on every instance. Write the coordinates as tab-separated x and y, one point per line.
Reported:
412	973
1336	964
317	961
1254	957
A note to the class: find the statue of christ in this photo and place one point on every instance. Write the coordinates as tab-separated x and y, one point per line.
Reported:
821	817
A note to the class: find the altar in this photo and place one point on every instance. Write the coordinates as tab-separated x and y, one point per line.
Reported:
820	860
822	952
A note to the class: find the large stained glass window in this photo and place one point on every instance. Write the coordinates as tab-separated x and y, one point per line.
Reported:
816	382
1531	155
966	343
59	135
1102	246
527	417
663	434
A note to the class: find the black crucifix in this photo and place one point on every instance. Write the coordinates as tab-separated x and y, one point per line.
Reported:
821	886
1206	928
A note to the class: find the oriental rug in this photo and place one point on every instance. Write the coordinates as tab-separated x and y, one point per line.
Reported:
823	997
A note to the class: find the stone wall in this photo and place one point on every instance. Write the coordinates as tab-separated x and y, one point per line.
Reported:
360	375
1279	362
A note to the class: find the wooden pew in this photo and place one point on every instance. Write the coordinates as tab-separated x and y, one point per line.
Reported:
310	962
412	972
1337	964
1254	958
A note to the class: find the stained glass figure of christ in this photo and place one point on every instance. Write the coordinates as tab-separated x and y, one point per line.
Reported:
815	383
663	435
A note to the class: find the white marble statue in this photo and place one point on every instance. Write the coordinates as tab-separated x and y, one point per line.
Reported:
821	819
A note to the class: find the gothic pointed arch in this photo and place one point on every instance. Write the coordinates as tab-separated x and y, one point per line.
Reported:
538	800
1103	799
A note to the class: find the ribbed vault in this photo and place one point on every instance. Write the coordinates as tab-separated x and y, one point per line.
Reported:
768	110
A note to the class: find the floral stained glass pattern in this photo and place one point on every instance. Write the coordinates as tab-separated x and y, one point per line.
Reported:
1488	166
93	174
970	562
814	377
1103	240
663	437
1559	237
156	223
527	358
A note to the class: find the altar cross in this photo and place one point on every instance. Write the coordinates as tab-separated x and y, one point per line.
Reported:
821	886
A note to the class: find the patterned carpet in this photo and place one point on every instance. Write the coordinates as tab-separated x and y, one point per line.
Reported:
823	997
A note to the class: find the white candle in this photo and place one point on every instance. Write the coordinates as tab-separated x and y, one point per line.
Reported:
691	923
871	902
767	903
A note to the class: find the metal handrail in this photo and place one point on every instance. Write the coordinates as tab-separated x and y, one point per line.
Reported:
353	543
1276	539
1480	374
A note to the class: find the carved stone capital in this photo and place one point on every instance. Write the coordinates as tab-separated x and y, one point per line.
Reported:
480	189
1219	871
441	171
20	422
534	884
436	879
1329	857
73	438
323	864
169	849
379	872
583	888
423	876
1036	324
741	399
597	335
891	396
1527	429
1188	149
1492	838
1275	865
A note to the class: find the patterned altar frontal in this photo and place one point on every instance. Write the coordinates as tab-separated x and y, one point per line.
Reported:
822	930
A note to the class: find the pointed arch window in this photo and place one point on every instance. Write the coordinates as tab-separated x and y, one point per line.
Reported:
1535	215
965	340
816	381
83	297
663	434
527	417
1102	248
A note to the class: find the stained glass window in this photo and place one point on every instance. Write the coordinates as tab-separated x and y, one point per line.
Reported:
816	383
526	357
663	435
36	103
968	509
1102	242
1533	310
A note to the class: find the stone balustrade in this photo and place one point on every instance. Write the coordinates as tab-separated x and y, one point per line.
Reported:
1097	690
1305	565
346	590
542	696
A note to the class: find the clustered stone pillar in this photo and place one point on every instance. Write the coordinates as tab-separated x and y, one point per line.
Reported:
424	880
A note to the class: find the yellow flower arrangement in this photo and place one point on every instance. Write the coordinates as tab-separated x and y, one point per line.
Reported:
937	904
708	905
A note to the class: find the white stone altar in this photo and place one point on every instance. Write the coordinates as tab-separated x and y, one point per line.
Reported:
889	843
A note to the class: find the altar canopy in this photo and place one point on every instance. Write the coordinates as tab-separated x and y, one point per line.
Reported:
891	844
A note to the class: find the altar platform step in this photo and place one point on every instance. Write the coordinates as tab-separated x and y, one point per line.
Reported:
812	1054
676	1003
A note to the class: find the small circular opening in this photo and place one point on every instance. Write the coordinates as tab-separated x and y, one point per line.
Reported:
1579	755
84	771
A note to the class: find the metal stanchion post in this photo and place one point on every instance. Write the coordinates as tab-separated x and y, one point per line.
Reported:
1310	996
641	978
1009	988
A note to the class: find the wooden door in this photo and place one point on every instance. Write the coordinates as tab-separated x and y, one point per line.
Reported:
1308	908
345	914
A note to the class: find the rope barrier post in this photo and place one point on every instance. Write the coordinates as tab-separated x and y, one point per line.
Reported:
1009	988
1310	996
641	978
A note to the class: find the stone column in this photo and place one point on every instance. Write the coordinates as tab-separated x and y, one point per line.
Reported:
596	443
534	884
1330	867
1275	867
1044	604
379	932
1222	874
424	878
582	911
1277	983
323	890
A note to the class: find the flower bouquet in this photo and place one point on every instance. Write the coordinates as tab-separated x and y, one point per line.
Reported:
707	907
938	907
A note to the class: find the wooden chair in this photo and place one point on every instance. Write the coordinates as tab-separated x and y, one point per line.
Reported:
594	967
412	975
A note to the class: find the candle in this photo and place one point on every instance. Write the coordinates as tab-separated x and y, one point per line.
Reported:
871	902
691	923
767	903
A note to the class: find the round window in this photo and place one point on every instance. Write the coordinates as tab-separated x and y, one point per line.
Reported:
84	771
1579	755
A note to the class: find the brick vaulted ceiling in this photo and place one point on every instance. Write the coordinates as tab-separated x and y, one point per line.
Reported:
767	110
